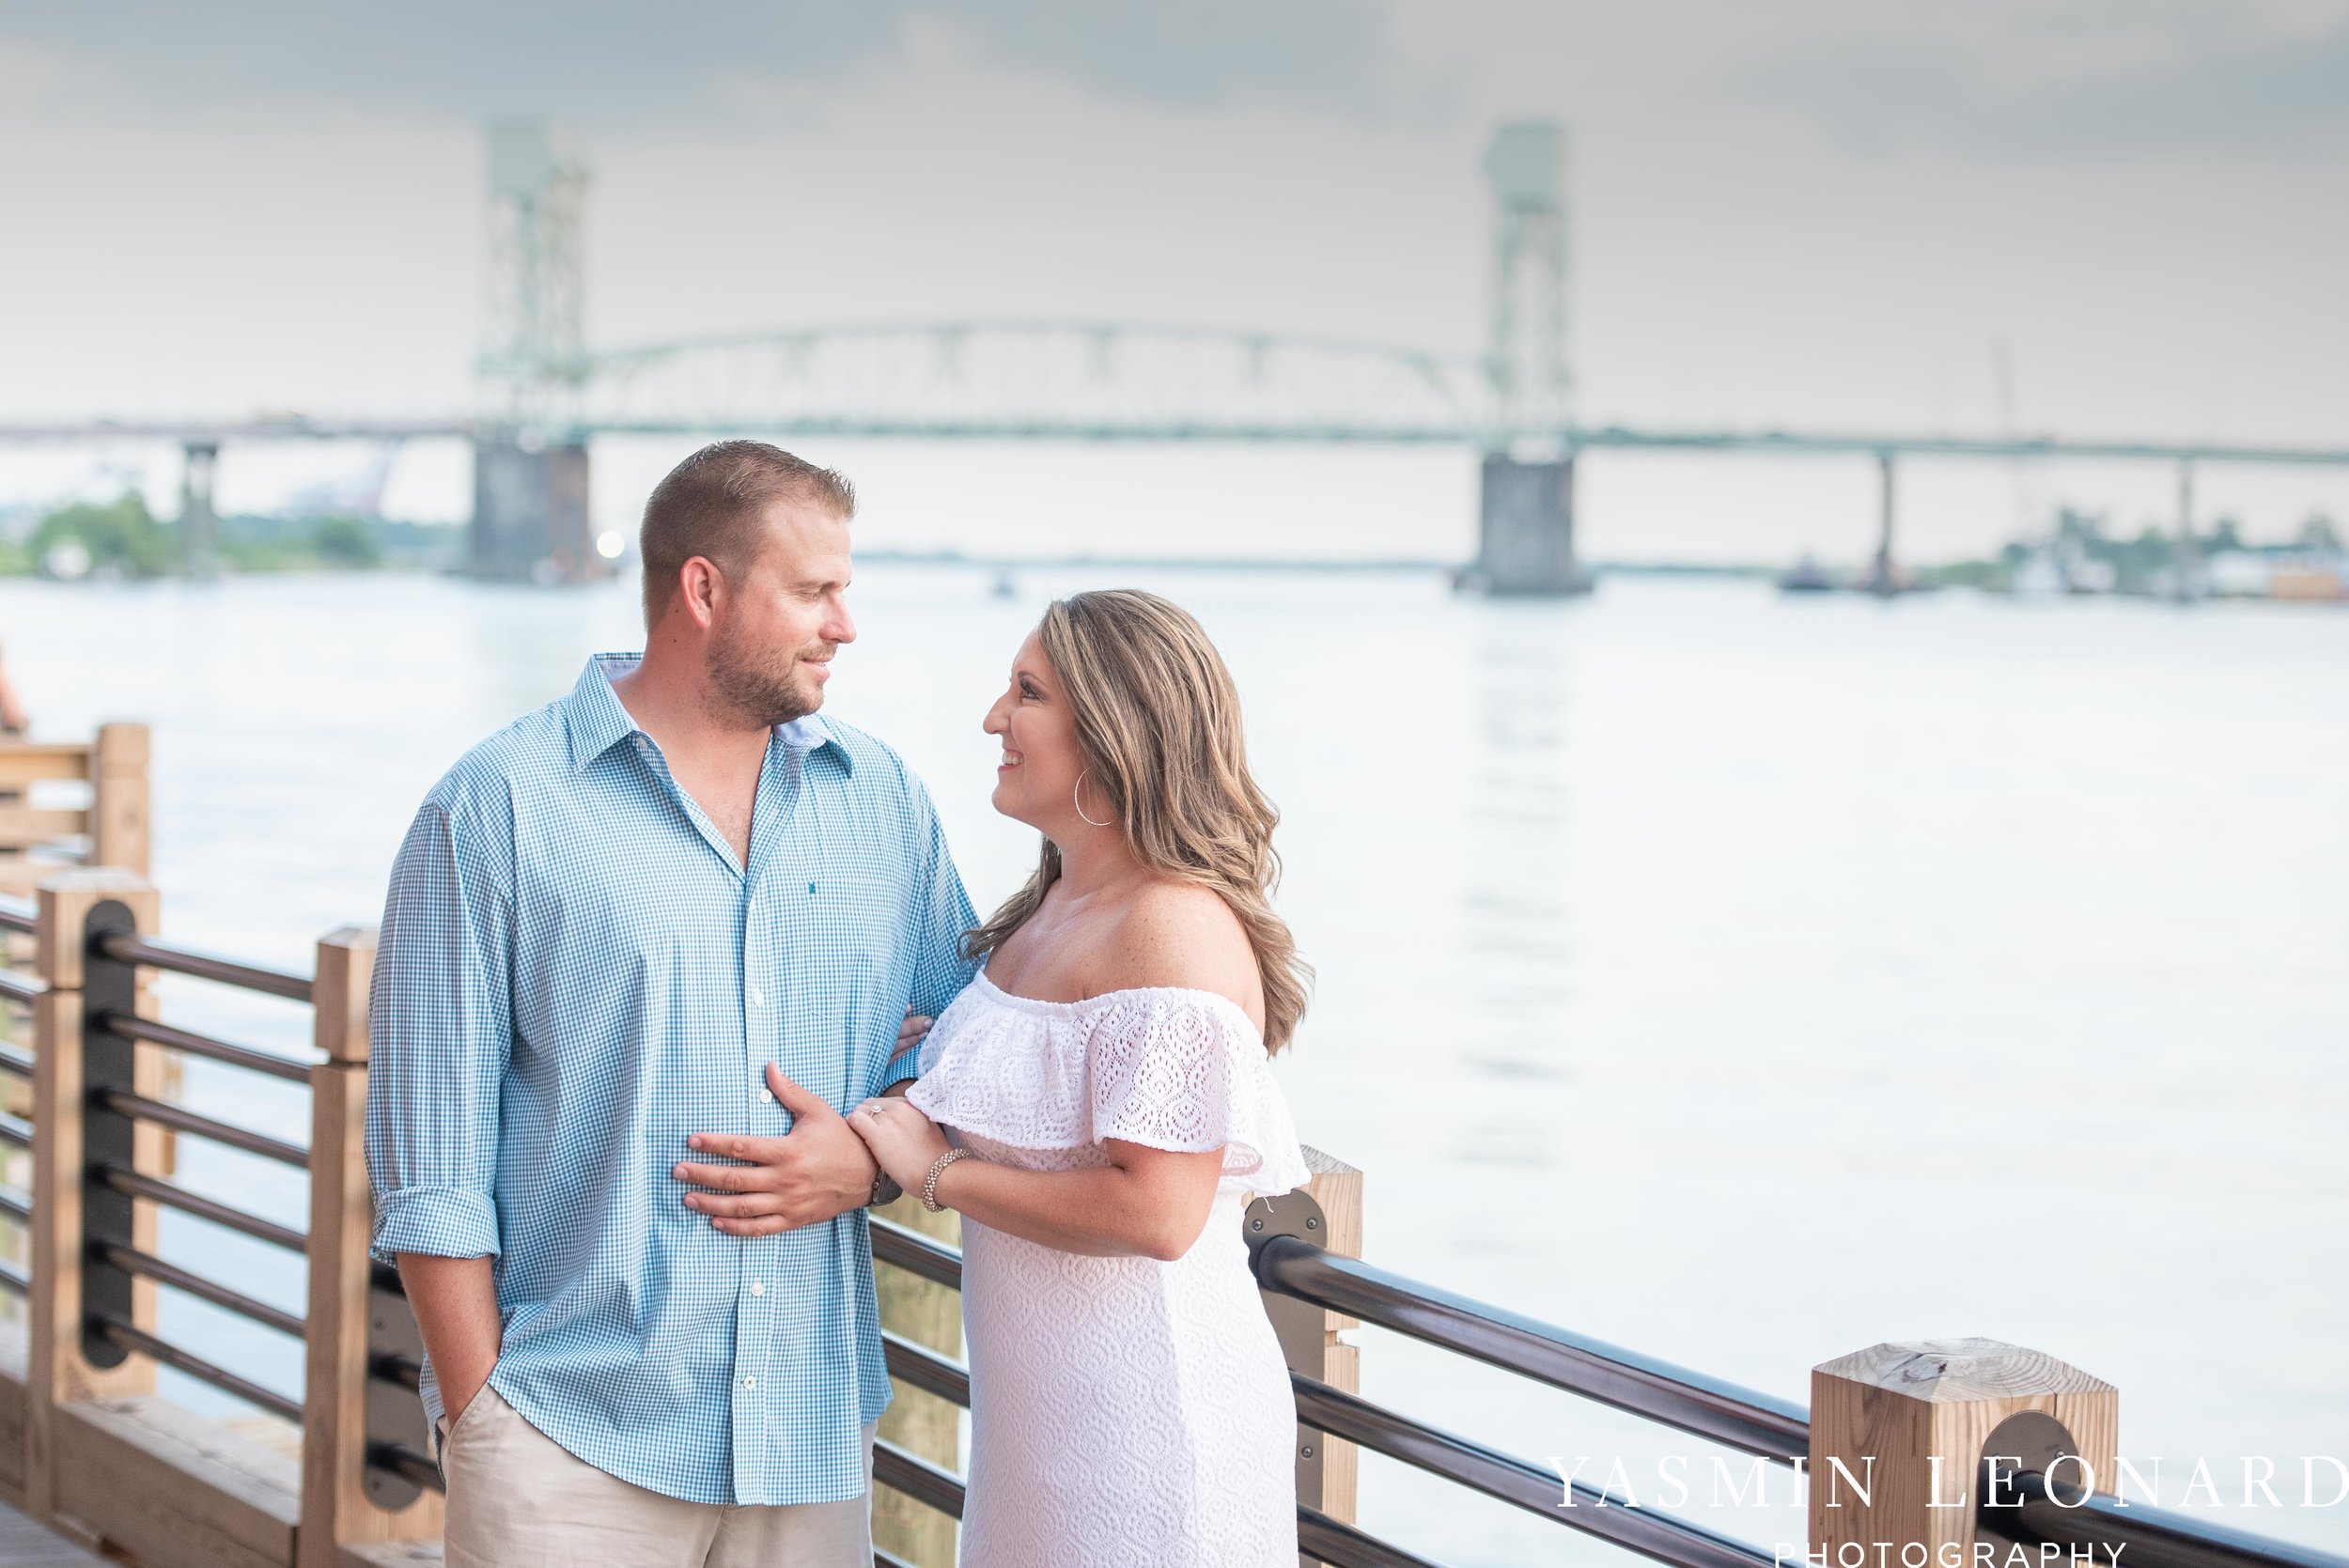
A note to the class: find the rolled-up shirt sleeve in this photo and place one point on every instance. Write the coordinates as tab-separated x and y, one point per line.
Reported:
941	915
439	1031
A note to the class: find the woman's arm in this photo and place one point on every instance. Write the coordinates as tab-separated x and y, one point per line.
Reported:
1151	1203
1145	1202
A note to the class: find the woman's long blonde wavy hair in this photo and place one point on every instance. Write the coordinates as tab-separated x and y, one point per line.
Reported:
1159	719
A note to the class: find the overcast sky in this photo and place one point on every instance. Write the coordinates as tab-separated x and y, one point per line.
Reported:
1805	213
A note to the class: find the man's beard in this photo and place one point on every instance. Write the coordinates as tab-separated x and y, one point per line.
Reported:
749	684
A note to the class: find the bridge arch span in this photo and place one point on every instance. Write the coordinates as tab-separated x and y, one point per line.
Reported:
1035	380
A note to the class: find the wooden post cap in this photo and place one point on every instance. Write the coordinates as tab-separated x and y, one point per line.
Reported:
1896	1442
339	992
66	900
122	747
1950	1371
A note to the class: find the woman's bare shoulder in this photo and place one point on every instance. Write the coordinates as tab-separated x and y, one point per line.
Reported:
1176	934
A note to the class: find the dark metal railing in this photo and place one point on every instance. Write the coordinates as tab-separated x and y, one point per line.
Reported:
15	1061
113	1104
920	1367
2105	1527
404	1371
137	1184
1503	1339
132	1261
125	947
917	1478
1335	1541
119	1331
139	1108
916	1253
132	1027
1707	1407
1741	1418
401	1372
407	1463
1354	1420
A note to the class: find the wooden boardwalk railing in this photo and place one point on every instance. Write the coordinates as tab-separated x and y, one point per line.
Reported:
105	823
86	1444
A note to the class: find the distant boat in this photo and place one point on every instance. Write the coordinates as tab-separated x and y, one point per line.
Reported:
1807	576
2309	581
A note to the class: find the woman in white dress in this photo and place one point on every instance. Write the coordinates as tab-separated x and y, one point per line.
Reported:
1097	1104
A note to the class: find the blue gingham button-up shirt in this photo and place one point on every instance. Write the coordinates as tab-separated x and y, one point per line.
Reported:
573	974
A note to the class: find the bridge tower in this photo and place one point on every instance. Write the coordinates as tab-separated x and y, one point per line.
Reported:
1526	538
529	468
200	521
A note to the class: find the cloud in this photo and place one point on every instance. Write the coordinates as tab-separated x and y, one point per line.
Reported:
618	63
2204	87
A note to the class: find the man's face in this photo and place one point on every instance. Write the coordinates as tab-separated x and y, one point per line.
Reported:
780	621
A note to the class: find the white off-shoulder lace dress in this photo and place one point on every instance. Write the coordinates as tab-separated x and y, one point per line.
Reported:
1123	1410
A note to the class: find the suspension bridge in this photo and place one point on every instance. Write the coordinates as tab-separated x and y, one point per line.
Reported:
546	395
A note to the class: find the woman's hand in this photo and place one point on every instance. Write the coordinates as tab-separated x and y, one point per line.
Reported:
909	1034
903	1141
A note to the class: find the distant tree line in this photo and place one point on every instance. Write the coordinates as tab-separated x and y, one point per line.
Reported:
2135	562
123	538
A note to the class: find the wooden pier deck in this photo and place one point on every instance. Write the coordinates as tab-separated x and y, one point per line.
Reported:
26	1544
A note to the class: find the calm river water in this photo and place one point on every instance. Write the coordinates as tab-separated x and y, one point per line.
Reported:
1739	979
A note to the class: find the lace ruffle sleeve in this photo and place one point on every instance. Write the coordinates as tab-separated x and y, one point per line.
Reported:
1185	1070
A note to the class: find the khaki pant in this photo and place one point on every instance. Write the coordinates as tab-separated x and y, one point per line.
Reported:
519	1499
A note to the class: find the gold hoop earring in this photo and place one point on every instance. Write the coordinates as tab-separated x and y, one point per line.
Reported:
1076	798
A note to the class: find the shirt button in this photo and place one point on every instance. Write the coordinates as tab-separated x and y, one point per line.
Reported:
766	1094
757	1288
750	1382
758	998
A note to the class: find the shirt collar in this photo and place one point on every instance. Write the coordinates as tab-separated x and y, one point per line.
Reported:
596	719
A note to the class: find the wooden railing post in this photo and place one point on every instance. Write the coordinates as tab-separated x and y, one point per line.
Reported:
921	1424
336	1507
1328	1212
1898	1433
118	807
68	1058
1337	1187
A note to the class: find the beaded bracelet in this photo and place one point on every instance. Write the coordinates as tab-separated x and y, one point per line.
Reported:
929	1183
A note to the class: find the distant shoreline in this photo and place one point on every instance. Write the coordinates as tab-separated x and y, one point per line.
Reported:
1276	563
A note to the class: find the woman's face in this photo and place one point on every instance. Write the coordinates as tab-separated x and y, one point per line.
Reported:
1037	780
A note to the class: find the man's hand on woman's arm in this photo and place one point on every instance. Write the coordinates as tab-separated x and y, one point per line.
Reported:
817	1170
456	1303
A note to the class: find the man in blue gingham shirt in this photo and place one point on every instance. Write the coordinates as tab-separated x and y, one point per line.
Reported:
593	950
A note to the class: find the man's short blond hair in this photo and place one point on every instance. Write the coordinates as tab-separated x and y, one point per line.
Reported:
710	505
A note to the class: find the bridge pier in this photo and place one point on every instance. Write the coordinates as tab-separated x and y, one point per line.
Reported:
199	523
1881	579
2185	555
1526	537
529	513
